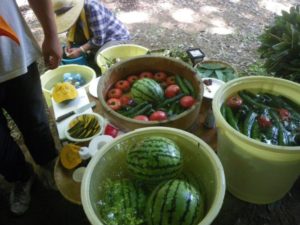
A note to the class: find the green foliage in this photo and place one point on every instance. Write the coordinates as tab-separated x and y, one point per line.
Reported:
255	69
280	45
176	53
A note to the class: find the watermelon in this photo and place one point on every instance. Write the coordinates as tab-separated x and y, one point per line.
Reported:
155	159
123	203
175	202
147	90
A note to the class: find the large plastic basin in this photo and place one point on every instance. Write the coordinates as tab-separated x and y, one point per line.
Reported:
256	172
51	77
122	52
199	160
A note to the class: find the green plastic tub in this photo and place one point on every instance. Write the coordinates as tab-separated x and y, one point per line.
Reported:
199	160
118	53
51	77
256	172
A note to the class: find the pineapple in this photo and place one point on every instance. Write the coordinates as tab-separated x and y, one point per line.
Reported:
280	45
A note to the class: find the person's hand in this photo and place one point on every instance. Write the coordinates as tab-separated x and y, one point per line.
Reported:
52	52
74	52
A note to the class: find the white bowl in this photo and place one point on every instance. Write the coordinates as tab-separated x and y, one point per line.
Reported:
210	90
101	122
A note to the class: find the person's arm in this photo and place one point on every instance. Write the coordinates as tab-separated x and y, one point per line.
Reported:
52	51
76	52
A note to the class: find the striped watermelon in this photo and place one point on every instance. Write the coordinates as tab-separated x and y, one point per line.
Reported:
123	203
147	90
155	159
175	202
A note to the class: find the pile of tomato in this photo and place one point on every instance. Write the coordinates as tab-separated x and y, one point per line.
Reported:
119	98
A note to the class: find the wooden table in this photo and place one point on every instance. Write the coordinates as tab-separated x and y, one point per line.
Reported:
234	211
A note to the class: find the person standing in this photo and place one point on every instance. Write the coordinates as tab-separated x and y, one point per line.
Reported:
21	97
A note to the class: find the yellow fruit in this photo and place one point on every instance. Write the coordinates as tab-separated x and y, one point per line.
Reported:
69	156
64	91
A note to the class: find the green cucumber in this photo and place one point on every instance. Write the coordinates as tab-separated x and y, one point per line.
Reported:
135	108
213	66
282	134
206	73
230	118
223	111
248	123
171	100
178	109
182	86
189	87
255	132
171	111
141	111
248	100
219	74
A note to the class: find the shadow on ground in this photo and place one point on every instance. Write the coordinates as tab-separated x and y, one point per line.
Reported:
47	207
50	208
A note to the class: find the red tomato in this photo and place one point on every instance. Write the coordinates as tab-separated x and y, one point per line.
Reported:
114	93
125	100
141	117
264	121
158	116
111	130
284	114
187	101
172	90
146	75
160	76
171	80
132	78
114	103
234	102
124	85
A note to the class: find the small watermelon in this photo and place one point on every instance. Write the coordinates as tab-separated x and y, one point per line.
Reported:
175	202
155	159
147	90
123	203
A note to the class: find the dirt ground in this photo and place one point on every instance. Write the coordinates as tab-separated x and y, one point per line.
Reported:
225	30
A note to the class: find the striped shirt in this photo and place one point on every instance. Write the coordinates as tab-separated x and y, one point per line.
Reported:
103	24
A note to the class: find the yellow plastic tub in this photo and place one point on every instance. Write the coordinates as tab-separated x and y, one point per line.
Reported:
199	160
51	77
119	53
256	172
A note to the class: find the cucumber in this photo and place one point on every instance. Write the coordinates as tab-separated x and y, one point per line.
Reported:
178	109
189	87
223	111
141	111
171	111
182	86
248	100
230	118
206	72
135	108
171	100
255	132
282	134
248	123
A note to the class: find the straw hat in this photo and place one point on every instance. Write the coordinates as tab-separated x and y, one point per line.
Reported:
66	13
